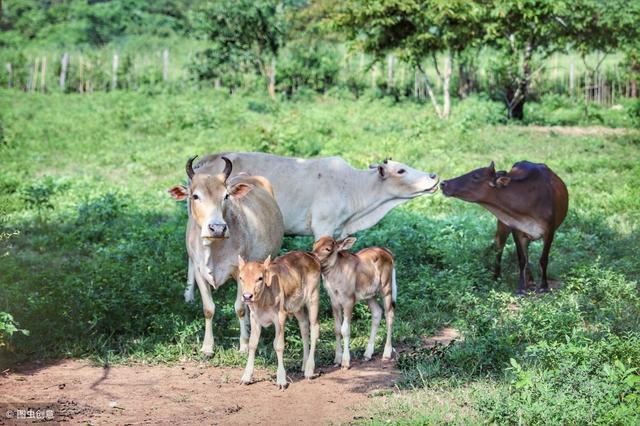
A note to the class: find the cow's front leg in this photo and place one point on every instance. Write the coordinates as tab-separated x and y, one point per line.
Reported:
243	317
253	345
278	345
208	308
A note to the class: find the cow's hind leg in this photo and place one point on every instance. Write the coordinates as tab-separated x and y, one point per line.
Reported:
208	308
278	345
502	233
376	316
544	261
243	317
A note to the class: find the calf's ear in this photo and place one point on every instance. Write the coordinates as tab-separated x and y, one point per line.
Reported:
347	243
492	167
178	192
240	190
241	263
270	278
503	181
267	262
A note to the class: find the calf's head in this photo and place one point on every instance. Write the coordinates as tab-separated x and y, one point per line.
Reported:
209	199
326	249
253	277
402	181
477	185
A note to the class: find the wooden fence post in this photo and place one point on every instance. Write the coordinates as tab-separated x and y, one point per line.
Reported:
571	78
390	73
63	70
10	72
43	73
165	65
114	72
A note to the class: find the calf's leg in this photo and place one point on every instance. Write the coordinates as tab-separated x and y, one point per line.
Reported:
389	313
278	345
376	316
209	308
345	330
253	345
502	233
243	317
337	317
313	307
303	323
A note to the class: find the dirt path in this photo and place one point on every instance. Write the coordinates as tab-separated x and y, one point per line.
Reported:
196	393
192	393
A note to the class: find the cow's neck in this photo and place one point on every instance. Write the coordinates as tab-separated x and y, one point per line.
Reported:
368	204
515	220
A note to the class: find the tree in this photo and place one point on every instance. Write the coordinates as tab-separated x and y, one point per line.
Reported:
602	27
416	30
520	30
246	31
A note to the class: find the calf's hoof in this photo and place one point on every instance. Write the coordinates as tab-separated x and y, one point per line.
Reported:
206	353
244	347
245	381
283	386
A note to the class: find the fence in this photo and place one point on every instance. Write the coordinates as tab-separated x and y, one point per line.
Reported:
85	73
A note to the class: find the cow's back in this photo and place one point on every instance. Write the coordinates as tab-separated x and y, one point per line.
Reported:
297	183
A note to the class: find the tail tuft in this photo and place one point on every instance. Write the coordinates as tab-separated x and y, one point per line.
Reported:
394	288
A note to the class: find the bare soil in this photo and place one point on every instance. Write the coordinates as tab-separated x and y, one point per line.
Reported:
192	393
196	393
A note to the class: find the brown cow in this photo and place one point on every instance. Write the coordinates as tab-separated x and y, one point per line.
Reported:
530	201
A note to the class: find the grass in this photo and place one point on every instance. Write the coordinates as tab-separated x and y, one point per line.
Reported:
93	263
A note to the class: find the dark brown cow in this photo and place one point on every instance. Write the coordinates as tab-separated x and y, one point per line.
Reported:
530	201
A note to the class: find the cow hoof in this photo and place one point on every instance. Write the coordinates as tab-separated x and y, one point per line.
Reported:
207	354
367	358
345	367
245	382
282	386
543	290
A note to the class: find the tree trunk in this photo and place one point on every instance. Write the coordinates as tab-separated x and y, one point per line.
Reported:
446	83
272	79
517	98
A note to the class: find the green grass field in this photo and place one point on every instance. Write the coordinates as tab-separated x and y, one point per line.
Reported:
93	264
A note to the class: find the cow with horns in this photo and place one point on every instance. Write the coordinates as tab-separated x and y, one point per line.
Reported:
228	217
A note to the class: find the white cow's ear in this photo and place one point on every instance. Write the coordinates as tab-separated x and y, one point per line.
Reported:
240	190
178	192
382	171
347	243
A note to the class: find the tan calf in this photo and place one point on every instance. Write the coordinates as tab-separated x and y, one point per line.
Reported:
350	277
274	290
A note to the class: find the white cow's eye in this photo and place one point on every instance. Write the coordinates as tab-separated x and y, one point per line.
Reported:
401	171
195	197
226	196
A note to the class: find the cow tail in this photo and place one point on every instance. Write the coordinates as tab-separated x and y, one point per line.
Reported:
394	288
